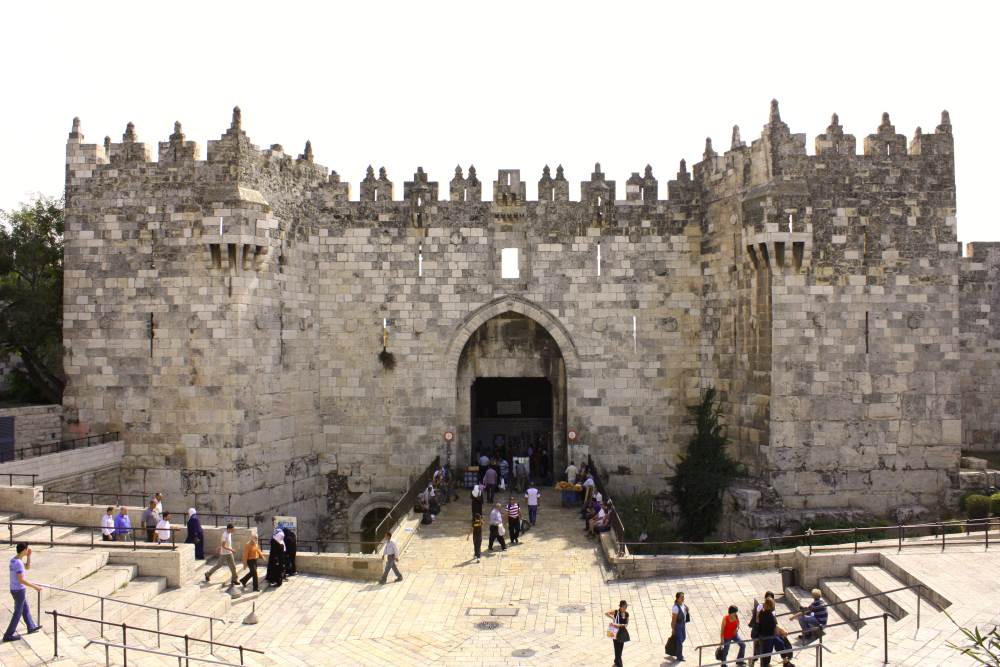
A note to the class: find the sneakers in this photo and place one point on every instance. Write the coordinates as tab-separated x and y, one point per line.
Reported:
399	578
13	638
34	629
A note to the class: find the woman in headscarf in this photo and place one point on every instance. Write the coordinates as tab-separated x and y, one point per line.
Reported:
195	535
290	551
276	559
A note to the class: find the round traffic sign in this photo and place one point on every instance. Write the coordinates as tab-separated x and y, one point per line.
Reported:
572	434
448	436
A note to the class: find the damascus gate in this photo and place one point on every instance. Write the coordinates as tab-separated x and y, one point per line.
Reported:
270	342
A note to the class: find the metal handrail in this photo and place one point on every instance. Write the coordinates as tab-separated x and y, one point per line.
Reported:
143	502
125	628
11	475
93	543
319	546
819	645
614	520
180	658
858	599
406	501
134	604
937	527
62	445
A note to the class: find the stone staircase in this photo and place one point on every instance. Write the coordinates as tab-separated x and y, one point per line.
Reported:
87	570
879	580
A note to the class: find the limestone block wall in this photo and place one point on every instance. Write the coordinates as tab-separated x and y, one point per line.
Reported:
979	283
35	424
66	464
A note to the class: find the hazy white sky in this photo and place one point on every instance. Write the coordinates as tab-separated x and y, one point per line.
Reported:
499	84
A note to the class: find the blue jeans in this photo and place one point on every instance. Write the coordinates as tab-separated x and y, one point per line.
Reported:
20	609
808	623
734	640
680	634
532	513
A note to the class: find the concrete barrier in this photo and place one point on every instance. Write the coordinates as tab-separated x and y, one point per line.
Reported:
64	464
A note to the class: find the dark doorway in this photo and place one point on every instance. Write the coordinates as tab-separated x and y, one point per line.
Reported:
512	417
369	540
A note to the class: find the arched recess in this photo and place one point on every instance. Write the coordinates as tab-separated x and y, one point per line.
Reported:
515	304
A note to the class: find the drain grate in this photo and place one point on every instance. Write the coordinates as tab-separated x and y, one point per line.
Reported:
572	609
522	653
487	625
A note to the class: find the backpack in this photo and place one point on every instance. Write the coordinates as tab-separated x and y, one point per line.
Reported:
753	614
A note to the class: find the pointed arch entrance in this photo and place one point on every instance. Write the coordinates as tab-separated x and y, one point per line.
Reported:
512	366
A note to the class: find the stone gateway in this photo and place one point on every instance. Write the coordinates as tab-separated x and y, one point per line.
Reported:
268	344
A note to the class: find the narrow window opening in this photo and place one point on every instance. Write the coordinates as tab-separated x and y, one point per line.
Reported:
598	200
798	252
420	200
152	333
420	260
635	334
216	255
888	148
508	180
465	194
598	260
232	257
790	221
553	192
866	332
779	253
375	195
642	194
508	264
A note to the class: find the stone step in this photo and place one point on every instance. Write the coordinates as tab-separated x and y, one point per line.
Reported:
839	589
8	516
876	579
44	534
22	526
104	582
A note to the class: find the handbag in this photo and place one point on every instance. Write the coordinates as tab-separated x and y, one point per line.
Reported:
719	655
501	531
671	646
612	631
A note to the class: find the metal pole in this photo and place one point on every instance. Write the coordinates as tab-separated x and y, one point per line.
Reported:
124	645
855	535
857	631
885	638
102	618
52	538
918	606
107	655
942	538
38	604
241	654
187	663
55	633
211	635
157	627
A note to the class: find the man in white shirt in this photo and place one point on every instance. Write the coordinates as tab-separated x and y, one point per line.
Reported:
226	556
588	488
532	494
571	472
108	525
391	553
496	524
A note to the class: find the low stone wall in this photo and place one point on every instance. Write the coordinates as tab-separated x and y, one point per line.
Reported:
68	464
35	424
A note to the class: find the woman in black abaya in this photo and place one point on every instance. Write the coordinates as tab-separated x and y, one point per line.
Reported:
276	559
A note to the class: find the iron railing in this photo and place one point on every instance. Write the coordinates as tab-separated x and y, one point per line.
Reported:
614	520
93	530
919	588
181	659
41	448
56	615
409	499
828	538
818	646
20	475
332	546
104	599
138	500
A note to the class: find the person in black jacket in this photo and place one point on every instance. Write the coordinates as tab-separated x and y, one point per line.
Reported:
290	551
619	620
276	559
767	627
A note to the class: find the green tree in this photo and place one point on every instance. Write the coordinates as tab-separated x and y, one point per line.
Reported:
704	472
31	288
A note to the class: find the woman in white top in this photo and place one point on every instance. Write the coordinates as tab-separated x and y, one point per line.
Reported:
163	529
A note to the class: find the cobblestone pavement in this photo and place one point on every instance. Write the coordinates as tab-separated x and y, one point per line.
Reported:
540	602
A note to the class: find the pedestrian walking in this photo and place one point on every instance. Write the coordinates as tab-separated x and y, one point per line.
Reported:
195	534
618	630
680	615
123	525
767	626
108	525
513	520
291	549
476	535
391	553
532	494
157	501
251	555
496	527
276	559
164	531
490	482
730	633
19	586
150	517
226	556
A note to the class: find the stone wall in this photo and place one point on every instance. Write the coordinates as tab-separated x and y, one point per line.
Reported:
71	464
980	345
228	315
35	424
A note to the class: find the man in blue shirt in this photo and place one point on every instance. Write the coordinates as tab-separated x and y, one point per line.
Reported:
813	618
18	589
123	526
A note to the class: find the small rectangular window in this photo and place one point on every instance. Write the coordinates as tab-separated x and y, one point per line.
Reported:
508	263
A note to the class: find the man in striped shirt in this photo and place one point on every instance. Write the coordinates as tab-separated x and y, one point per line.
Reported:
813	618
514	520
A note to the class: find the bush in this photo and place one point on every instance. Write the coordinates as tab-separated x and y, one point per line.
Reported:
977	506
995	504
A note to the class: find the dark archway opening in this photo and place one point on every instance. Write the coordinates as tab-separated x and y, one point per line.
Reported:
512	417
369	540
